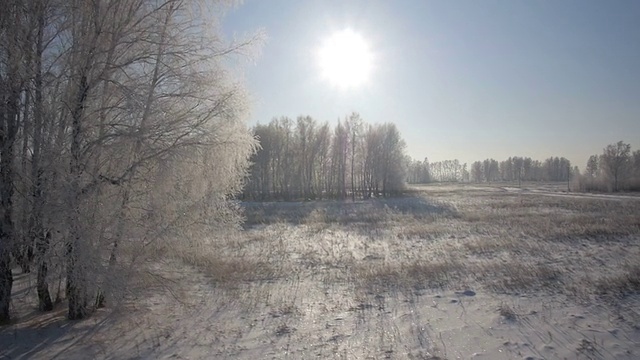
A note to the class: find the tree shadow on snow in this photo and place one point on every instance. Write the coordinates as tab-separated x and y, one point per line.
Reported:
38	335
344	212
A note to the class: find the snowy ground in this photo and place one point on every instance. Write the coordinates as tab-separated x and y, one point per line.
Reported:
450	272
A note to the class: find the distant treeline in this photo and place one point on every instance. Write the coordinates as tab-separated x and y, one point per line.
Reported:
616	169
304	159
489	170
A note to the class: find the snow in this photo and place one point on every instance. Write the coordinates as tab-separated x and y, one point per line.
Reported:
319	303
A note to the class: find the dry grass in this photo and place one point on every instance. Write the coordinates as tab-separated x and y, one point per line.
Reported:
235	259
514	276
622	284
236	270
416	275
446	237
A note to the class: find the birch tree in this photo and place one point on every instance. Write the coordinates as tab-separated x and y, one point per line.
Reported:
12	82
131	138
616	160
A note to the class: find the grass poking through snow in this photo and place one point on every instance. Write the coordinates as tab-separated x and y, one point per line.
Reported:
436	238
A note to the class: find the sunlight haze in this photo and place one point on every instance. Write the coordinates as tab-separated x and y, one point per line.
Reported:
461	79
345	59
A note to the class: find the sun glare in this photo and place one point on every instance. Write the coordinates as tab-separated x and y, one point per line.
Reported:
345	59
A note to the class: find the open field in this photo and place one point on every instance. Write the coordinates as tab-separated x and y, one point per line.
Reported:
446	272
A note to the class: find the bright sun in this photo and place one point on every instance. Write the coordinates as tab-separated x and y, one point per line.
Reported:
345	59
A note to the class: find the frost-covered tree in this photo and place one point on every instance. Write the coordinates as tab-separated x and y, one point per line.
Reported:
419	172
132	138
477	173
592	169
556	169
616	160
339	155
636	163
393	153
314	161
490	170
354	126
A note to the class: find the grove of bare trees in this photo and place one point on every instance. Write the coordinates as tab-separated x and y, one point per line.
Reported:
418	172
121	135
616	169
304	159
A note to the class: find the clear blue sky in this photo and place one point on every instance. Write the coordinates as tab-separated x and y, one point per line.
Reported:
461	79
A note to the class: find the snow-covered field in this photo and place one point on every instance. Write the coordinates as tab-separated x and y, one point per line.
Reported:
449	272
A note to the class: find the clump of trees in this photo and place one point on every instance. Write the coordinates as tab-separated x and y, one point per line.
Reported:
616	169
305	159
418	172
121	135
449	171
423	172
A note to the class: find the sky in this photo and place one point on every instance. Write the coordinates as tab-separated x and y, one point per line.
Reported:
461	79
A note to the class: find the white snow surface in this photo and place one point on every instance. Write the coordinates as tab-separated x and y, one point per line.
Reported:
314	310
